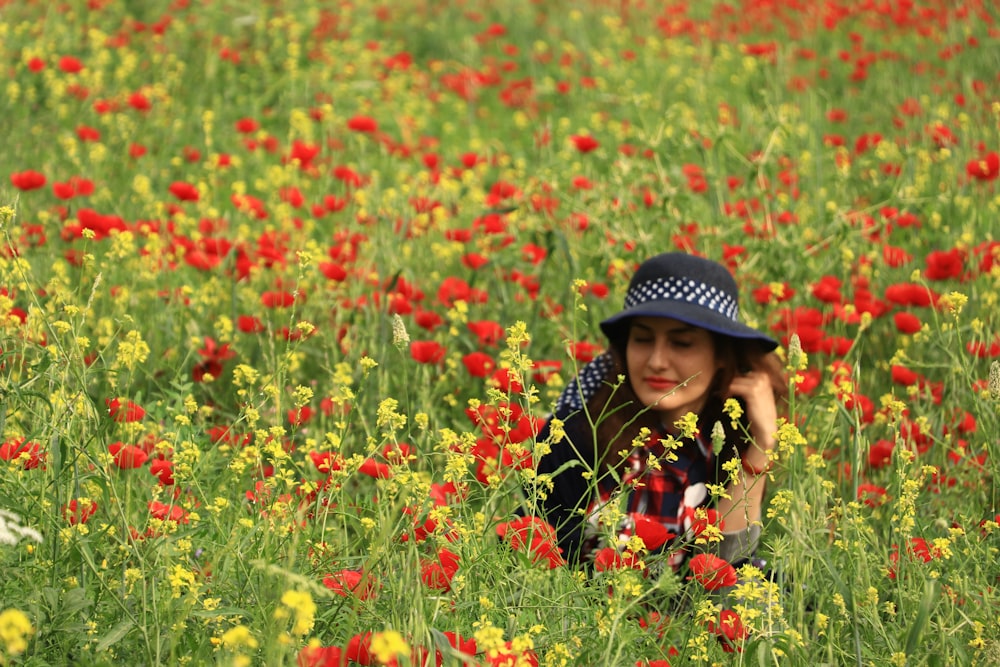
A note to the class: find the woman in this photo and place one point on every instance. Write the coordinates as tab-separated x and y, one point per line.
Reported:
677	347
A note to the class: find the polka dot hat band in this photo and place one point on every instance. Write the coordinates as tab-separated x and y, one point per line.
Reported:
686	290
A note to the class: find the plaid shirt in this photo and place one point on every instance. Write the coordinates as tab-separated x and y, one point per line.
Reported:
657	491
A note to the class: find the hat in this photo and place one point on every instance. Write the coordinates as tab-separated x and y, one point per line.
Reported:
694	290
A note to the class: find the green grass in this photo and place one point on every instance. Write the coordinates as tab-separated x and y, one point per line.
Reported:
702	145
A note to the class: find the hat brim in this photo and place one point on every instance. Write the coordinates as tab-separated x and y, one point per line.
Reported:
616	326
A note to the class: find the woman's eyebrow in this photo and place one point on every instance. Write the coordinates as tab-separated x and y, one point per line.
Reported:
680	328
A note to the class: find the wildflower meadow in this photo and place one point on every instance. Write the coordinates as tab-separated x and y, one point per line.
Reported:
288	288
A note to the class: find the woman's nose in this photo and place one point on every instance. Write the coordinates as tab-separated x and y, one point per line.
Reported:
659	357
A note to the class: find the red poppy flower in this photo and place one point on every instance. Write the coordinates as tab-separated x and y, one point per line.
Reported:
359	649
321	656
333	271
87	133
904	376
348	176
139	101
249	324
427	352
872	494
165	512
27	180
488	332
505	422
494	223
438	573
535	536
375	469
699	523
584	351
478	364
712	572
362	124
585	143
534	254
70	64
247	126
212	356
75	186
300	416
507	656
250	205
910	294
346	583
942	135
326	462
474	260
609	559
907	323
895	257
302	153
465	646
29	454
828	290
75	512
917	549
730	631
836	115
454	289
277	299
986	168
806	381
124	413
653	533
866	142
880	453
427	319
945	264
184	191
127	457
982	349
163	469
767	294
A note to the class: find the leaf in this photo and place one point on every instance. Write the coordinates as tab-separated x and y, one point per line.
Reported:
931	592
116	634
74	600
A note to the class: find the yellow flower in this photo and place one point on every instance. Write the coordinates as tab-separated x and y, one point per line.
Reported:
15	628
132	350
733	408
238	637
301	606
688	425
388	645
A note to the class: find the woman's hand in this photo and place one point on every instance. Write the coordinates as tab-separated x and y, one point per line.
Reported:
761	412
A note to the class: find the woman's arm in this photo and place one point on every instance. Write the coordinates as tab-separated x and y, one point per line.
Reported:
742	508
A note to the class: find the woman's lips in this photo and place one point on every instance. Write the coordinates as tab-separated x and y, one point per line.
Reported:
660	384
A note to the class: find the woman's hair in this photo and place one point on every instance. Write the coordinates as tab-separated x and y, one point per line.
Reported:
618	415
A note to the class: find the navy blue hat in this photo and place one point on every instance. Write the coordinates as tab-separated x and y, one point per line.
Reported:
691	289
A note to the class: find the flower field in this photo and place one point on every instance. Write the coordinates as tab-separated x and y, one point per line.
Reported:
287	290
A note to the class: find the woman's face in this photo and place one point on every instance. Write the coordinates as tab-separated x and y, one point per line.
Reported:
670	365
